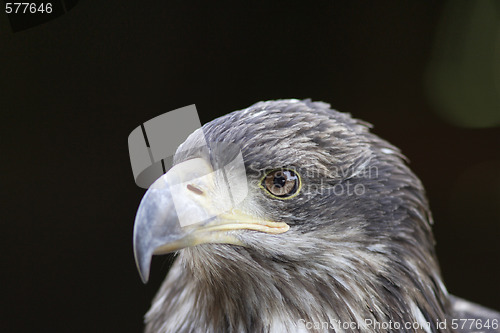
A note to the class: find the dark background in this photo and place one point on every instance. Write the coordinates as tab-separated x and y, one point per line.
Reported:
72	89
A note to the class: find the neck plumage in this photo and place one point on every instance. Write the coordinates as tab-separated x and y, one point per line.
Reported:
220	288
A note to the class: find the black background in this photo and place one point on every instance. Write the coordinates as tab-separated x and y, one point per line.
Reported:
72	89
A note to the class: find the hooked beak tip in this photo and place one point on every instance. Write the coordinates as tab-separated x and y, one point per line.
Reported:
142	260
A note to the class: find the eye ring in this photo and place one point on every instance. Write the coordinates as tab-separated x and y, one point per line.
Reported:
281	183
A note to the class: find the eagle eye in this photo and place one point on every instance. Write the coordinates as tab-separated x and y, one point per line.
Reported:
281	183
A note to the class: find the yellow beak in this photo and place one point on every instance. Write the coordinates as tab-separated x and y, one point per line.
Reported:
188	206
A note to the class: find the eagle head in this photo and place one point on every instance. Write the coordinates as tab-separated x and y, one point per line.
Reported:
288	213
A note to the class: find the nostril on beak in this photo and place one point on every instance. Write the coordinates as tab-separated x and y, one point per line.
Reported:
194	189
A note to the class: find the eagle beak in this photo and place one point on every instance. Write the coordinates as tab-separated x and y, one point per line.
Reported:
188	206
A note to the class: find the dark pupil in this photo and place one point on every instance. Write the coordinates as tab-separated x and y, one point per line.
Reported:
279	179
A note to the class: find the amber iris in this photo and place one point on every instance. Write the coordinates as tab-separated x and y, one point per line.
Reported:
281	183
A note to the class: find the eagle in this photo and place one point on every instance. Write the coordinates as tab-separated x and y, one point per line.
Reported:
289	216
